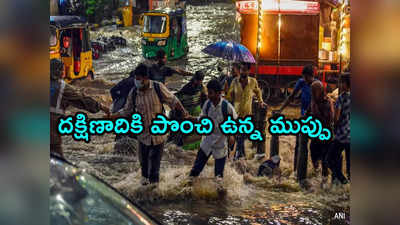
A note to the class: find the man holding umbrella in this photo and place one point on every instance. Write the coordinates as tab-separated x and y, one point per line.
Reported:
243	88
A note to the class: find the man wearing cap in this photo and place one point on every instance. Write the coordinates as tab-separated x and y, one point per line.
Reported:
63	95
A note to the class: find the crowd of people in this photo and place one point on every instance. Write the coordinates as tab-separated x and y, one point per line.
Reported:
235	94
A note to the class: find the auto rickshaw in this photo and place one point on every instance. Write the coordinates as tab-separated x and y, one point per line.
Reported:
165	29
70	42
125	11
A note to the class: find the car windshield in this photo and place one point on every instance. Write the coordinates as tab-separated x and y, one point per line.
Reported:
79	198
53	36
154	24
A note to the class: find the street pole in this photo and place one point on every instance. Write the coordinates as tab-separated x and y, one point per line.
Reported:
259	27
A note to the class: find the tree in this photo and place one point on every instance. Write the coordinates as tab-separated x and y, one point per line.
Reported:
95	9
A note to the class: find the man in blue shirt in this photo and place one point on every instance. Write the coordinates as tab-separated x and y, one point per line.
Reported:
303	85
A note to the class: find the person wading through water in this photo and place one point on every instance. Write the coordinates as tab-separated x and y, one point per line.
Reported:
192	96
217	109
63	95
321	108
159	71
147	99
342	133
303	85
241	93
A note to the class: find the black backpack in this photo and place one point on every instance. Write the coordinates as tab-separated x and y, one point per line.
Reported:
119	93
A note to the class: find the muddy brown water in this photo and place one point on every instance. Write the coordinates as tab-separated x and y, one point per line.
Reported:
248	199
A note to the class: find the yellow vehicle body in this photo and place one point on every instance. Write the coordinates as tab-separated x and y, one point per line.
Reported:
127	15
126	10
77	58
151	36
54	52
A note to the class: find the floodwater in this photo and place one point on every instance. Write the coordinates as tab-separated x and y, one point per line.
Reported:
205	25
248	199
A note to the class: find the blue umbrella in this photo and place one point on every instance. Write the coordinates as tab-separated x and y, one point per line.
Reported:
231	51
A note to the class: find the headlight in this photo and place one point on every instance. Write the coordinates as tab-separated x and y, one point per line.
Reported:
143	42
161	43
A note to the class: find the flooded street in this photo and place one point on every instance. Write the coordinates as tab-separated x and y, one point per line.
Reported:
248	199
205	24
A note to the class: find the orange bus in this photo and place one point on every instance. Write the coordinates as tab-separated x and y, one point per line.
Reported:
288	38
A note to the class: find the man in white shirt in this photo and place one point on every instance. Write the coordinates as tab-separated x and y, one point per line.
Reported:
217	109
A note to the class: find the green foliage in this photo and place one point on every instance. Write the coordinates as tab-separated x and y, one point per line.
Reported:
95	10
91	6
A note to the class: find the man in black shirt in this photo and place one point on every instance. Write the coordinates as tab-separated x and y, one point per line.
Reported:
160	71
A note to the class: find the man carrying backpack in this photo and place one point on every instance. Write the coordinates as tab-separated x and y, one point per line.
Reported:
214	144
147	99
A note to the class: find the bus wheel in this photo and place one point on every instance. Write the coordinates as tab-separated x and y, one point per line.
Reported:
266	90
289	90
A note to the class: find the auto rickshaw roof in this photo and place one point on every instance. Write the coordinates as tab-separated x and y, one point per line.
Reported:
169	11
65	21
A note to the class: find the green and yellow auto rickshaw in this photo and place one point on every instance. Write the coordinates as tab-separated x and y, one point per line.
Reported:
165	29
